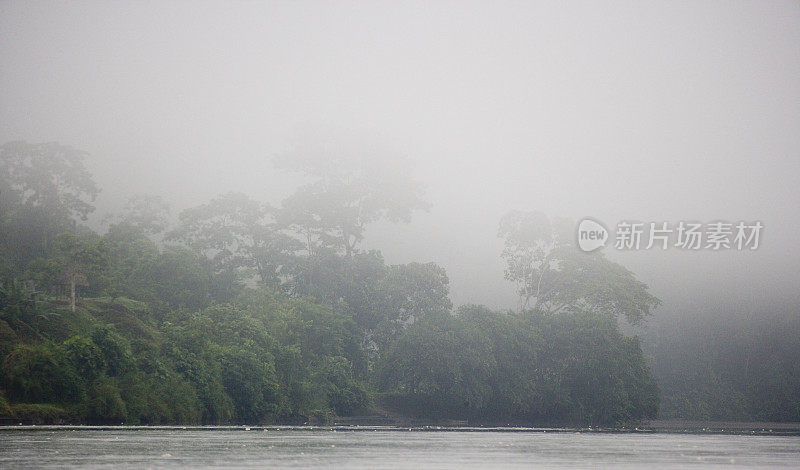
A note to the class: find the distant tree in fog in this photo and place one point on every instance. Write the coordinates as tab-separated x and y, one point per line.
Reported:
348	191
43	188
552	275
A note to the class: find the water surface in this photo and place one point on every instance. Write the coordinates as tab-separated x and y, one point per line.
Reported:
385	448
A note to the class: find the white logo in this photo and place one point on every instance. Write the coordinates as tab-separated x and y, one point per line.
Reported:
591	235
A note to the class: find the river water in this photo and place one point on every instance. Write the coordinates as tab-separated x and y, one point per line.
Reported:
374	448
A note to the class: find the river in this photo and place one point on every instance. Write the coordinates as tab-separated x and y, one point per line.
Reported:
376	447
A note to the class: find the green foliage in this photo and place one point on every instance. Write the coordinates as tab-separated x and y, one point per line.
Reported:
159	396
236	233
40	373
343	393
41	413
85	356
5	407
268	359
531	369
116	350
249	379
173	334
105	403
382	300
42	187
169	279
443	363
18	304
728	368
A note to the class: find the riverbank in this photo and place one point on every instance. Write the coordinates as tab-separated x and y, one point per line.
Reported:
658	427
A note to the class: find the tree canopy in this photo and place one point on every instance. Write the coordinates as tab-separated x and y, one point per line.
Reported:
248	313
553	276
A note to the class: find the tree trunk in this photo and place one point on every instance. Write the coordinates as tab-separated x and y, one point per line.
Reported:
72	295
348	250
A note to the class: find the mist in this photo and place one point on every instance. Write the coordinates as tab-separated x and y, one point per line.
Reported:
653	112
617	111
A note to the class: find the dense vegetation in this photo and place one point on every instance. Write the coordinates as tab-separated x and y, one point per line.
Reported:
728	367
491	367
241	312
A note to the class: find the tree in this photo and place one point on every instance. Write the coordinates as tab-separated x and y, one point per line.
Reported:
416	290
550	271
534	369
174	278
19	301
439	367
237	233
40	373
349	191
143	215
407	294
383	300
78	259
43	187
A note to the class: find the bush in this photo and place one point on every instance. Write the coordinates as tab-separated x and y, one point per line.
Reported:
41	413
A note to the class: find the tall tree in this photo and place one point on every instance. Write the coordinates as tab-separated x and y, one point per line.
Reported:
555	276
350	189
78	260
407	294
528	244
43	188
237	233
143	215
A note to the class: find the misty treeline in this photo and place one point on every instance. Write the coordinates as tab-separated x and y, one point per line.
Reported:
238	311
727	366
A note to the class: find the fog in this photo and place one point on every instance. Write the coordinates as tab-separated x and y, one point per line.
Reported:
648	111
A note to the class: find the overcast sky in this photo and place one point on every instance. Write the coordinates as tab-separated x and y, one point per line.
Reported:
653	111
